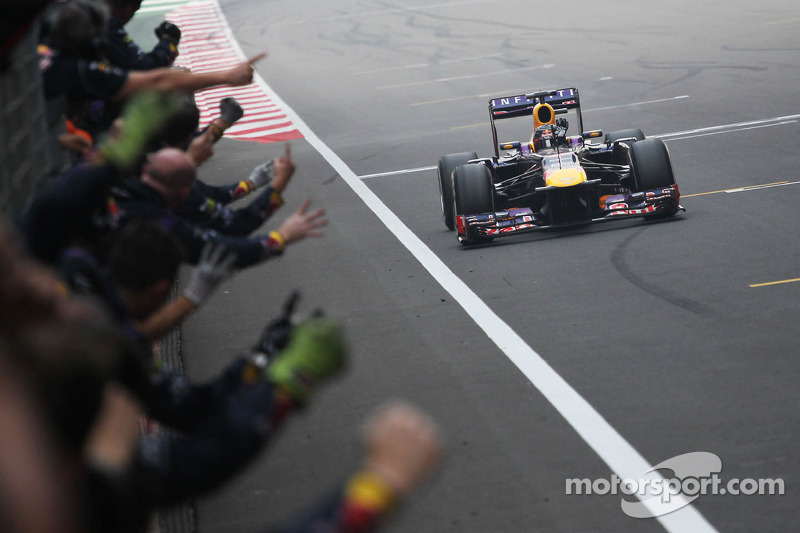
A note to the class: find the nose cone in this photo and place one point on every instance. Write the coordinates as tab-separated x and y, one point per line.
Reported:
565	177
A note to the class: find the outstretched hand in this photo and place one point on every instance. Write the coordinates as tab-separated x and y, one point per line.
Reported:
215	266
230	110
169	31
302	224
402	444
242	74
316	352
283	168
562	126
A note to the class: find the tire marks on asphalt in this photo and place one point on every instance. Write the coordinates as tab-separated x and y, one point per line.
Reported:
612	448
619	260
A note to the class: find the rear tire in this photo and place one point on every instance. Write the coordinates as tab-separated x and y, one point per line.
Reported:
473	192
652	169
447	164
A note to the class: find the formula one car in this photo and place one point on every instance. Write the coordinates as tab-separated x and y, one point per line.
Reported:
554	179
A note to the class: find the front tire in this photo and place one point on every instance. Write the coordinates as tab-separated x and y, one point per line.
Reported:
447	164
652	169
473	192
636	133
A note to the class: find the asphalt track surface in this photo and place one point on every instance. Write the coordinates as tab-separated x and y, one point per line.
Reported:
657	326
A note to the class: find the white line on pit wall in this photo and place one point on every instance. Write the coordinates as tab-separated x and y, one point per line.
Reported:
622	458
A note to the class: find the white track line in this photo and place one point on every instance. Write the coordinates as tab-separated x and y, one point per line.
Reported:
466	77
681	97
381	12
494	94
732	130
668	137
425	65
731	127
457	98
759	187
394	172
613	449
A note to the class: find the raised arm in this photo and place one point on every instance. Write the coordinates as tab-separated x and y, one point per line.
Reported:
166	79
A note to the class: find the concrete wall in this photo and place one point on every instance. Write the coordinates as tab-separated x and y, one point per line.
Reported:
28	144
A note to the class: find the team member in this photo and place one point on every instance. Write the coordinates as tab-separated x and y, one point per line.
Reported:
122	52
401	445
165	183
77	207
207	205
74	73
204	208
225	422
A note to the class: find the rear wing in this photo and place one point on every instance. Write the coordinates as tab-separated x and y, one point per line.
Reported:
521	105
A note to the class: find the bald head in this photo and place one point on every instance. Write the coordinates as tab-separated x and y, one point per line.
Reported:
171	172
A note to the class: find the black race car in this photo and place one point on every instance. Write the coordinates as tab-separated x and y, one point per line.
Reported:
554	179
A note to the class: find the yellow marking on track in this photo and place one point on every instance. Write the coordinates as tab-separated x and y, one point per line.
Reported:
754	285
776	22
456	99
735	189
468	126
700	194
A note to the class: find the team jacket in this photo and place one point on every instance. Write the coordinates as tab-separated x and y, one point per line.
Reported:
76	79
122	52
91	203
134	200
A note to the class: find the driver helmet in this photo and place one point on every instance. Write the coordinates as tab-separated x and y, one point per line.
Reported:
544	137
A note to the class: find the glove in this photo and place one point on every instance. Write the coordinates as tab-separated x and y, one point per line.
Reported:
562	124
169	31
278	332
262	174
215	266
230	110
315	352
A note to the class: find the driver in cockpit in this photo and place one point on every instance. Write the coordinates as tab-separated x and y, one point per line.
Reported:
549	136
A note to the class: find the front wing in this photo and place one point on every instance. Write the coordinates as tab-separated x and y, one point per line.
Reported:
479	226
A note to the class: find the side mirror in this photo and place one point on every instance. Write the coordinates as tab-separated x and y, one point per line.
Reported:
510	146
593	134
